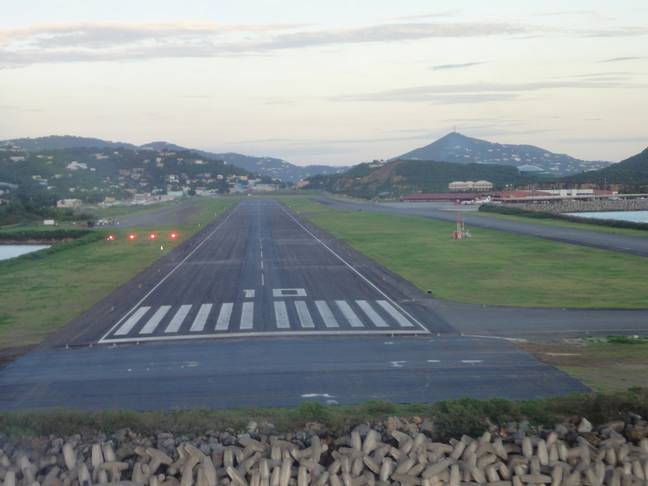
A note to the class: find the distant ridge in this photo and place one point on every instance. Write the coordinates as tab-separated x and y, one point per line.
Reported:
265	166
458	148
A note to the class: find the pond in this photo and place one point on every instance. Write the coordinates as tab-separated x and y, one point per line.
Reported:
12	251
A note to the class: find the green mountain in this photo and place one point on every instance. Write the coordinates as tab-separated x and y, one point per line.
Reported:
460	149
265	166
398	177
91	174
631	172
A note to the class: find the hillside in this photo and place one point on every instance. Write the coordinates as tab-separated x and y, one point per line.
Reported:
91	174
265	166
460	149
631	172
399	177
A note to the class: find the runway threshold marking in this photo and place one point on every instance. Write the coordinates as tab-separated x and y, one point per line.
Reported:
281	315
305	318
351	317
247	315
171	272
373	316
155	319
178	319
132	321
354	270
201	318
224	316
397	316
326	313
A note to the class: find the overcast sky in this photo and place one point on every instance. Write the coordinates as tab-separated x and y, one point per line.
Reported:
338	82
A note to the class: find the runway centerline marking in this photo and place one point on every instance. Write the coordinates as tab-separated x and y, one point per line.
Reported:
354	270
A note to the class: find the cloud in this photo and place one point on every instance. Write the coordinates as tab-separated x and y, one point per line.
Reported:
429	15
621	59
477	92
570	13
604	140
116	41
441	67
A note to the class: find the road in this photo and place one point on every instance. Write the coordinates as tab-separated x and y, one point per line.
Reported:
304	317
635	245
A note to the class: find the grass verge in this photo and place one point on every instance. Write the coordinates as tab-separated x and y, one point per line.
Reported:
608	364
451	418
42	291
492	267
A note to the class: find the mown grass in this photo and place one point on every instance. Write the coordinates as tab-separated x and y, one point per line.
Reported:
42	291
492	267
610	364
451	418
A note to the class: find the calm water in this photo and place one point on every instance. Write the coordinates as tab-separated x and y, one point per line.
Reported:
634	216
11	251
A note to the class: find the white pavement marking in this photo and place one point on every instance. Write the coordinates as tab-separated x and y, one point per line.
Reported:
281	315
391	310
472	361
249	293
223	321
253	334
305	318
373	316
201	318
178	318
289	292
351	317
398	364
132	321
354	270
247	315
182	262
155	319
326	313
262	280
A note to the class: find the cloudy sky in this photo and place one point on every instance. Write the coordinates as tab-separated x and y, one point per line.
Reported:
337	82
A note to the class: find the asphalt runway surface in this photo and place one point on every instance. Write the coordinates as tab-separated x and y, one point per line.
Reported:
635	245
260	308
280	371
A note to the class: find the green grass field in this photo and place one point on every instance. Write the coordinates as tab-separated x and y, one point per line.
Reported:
492	267
41	292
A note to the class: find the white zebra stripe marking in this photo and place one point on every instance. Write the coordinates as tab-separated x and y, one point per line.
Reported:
326	313
224	316
155	319
201	318
130	323
351	317
373	316
247	315
178	319
392	311
305	318
281	315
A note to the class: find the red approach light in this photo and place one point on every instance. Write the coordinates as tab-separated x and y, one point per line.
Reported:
173	235
152	236
132	236
110	237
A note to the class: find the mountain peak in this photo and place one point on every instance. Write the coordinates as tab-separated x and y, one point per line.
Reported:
461	149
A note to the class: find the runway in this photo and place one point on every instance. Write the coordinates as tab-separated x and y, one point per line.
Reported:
262	309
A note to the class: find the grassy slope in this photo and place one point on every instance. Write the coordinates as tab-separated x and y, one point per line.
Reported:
41	292
492	267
